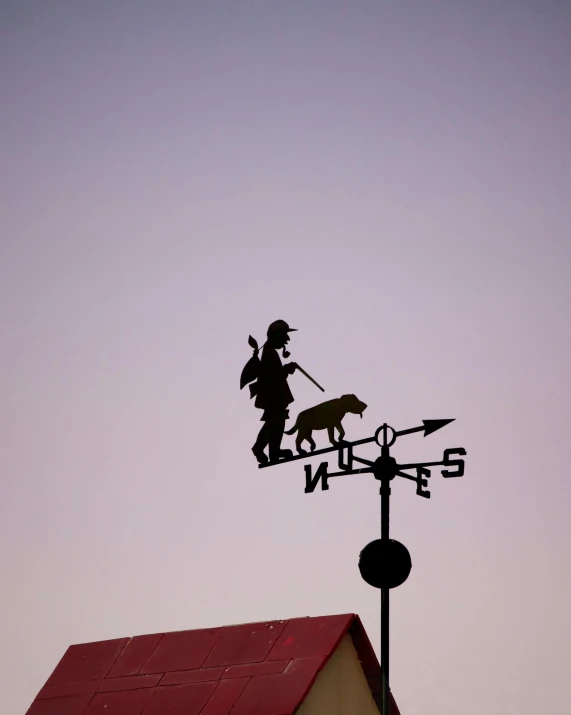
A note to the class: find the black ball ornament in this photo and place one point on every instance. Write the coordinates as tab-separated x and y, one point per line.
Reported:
385	563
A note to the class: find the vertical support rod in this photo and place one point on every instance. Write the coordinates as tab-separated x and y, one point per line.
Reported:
385	649
385	513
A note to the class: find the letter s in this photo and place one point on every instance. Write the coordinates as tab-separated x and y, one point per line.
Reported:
458	463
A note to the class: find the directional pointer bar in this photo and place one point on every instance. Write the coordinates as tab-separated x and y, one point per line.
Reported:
336	448
429	426
422	464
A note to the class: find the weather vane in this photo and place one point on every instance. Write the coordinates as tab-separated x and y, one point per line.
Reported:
384	563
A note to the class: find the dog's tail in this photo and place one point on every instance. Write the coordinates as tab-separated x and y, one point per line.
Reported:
292	430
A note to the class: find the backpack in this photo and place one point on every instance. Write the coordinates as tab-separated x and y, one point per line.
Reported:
251	369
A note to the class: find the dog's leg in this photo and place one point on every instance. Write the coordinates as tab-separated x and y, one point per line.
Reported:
311	441
331	434
341	431
299	439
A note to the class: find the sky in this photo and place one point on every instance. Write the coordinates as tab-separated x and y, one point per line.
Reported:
392	179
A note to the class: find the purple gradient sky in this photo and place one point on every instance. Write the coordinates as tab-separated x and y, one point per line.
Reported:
394	179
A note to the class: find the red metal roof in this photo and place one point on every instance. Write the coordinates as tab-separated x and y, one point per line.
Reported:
250	669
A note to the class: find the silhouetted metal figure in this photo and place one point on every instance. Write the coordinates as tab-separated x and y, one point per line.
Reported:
268	378
271	390
327	415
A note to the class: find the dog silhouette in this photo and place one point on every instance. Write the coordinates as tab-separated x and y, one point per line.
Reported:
327	415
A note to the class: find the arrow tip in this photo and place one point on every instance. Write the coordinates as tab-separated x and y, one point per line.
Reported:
431	426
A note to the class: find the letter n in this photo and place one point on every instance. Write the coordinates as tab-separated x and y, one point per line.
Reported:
321	473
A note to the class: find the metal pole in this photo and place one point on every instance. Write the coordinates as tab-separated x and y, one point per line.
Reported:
385	510
385	649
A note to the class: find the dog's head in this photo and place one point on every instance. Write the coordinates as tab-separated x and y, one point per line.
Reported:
351	403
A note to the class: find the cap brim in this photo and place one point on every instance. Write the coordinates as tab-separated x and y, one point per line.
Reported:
291	330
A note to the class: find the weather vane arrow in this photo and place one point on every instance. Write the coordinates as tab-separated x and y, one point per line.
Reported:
429	426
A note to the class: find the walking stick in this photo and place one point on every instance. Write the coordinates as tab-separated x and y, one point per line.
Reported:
310	378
